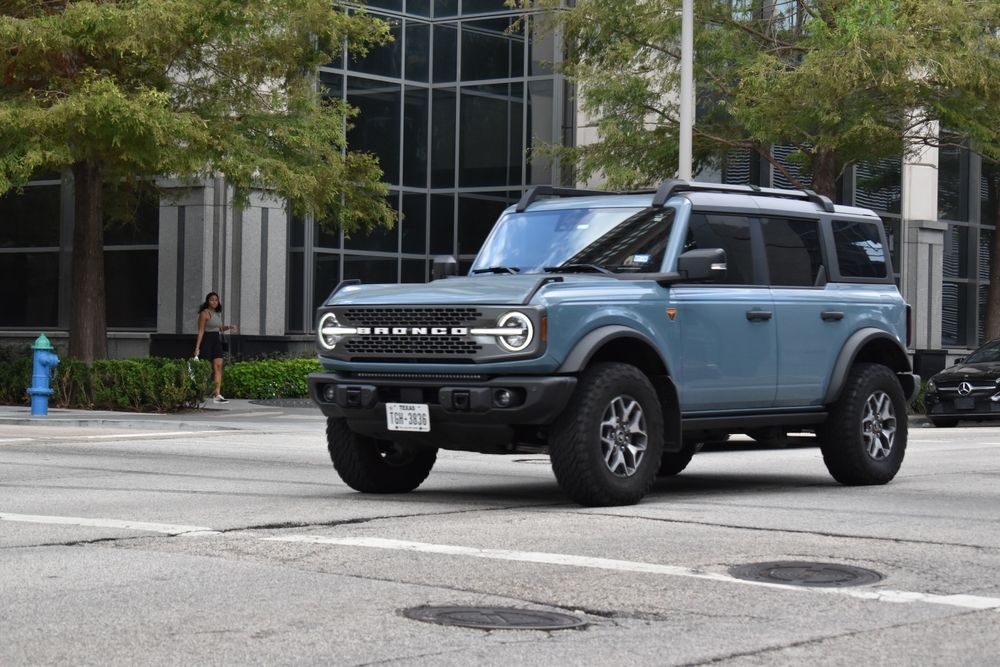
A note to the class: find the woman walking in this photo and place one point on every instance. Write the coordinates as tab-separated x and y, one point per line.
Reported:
209	343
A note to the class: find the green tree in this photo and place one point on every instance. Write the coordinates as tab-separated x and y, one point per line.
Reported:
841	81
117	91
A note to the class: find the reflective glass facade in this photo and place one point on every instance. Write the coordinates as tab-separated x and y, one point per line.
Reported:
451	108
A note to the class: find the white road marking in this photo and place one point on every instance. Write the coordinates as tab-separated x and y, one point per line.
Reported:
166	528
877	594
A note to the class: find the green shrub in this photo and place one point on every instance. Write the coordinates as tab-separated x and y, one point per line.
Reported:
15	378
153	384
268	378
71	384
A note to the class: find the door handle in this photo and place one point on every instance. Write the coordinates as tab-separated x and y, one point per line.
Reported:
831	315
758	315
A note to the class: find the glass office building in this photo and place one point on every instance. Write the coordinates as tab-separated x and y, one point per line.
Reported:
452	108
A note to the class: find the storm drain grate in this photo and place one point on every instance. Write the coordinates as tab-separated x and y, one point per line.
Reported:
802	573
495	618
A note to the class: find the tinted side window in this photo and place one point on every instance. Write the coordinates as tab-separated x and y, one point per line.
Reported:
793	251
732	234
860	253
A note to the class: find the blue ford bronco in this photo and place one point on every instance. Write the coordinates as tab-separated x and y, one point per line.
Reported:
619	332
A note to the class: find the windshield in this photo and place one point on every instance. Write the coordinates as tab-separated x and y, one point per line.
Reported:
613	239
989	353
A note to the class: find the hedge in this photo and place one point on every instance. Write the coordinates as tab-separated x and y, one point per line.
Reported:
268	378
153	384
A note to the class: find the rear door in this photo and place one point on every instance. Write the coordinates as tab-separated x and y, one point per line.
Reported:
811	318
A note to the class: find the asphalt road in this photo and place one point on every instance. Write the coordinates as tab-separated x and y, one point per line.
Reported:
175	545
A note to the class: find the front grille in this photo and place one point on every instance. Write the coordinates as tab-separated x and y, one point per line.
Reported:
403	316
430	346
977	387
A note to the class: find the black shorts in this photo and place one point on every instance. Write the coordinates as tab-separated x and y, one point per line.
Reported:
211	346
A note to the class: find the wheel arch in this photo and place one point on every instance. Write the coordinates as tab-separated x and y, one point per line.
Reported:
621	344
873	346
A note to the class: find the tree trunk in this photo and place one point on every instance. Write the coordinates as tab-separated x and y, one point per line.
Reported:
993	301
824	173
88	331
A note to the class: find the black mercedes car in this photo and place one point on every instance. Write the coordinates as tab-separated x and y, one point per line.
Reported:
968	390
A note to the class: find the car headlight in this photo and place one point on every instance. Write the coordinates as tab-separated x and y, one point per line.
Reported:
515	342
329	332
931	386
514	331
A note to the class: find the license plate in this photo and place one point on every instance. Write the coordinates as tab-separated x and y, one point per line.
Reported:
965	403
407	417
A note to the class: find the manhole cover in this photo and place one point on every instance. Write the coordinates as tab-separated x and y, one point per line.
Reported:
495	618
799	573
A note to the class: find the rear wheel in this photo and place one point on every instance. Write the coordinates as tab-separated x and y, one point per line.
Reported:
606	447
370	465
864	438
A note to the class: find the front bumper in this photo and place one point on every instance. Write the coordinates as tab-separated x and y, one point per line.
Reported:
463	412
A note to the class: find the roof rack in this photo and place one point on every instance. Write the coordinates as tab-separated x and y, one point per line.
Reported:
537	191
667	190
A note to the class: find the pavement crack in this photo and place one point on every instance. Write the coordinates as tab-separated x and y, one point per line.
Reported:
785	531
812	641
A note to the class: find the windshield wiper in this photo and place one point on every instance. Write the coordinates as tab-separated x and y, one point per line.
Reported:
497	269
576	268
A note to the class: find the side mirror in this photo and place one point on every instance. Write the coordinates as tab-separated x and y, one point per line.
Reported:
444	266
959	360
707	264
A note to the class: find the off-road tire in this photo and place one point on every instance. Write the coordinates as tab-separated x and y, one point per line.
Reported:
376	466
672	463
944	422
864	438
582	444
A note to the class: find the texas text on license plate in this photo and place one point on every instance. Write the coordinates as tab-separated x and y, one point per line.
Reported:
407	417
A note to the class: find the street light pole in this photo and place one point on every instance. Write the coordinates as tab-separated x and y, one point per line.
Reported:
687	89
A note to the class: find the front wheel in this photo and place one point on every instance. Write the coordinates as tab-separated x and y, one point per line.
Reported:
370	465
864	438
606	447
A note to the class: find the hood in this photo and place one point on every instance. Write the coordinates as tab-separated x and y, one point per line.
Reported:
986	370
484	290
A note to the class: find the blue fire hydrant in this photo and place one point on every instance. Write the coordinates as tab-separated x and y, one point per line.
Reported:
44	361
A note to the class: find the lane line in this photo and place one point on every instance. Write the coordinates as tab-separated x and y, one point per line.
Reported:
165	528
879	595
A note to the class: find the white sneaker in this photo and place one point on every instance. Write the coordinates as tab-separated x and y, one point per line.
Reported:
219	398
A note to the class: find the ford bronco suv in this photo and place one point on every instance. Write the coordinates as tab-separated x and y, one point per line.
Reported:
617	332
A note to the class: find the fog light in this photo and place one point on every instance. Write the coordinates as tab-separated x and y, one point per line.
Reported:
502	398
330	393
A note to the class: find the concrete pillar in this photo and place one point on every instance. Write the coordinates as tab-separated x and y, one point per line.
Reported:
206	244
923	244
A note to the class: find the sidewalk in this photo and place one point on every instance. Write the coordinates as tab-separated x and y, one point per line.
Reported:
237	414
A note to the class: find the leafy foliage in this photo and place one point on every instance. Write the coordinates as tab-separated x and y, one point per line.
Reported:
841	81
119	91
269	378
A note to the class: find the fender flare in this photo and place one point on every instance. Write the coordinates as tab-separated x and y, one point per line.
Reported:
583	351
849	353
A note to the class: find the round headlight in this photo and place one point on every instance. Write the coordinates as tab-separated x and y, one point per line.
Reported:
931	386
521	334
327	339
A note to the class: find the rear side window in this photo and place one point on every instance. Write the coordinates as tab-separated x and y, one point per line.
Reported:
793	250
860	253
732	234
